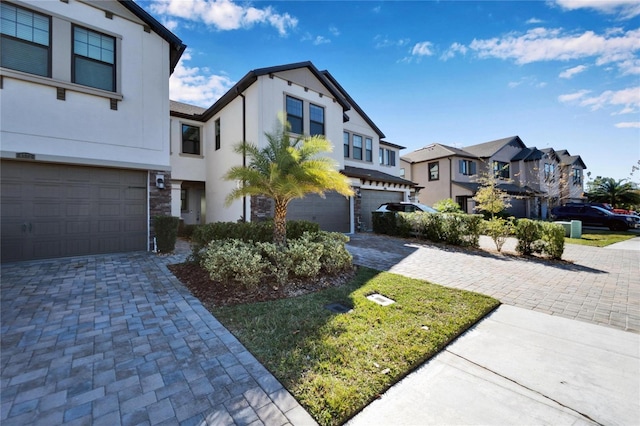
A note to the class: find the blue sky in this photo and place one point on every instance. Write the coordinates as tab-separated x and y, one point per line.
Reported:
563	74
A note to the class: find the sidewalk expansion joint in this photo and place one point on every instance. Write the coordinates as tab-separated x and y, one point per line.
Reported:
586	416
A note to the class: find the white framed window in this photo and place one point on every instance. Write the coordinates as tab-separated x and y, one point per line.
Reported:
190	139
345	144
316	120
467	167
368	150
434	170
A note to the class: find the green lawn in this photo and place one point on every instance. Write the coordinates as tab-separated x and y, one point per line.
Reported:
335	364
600	238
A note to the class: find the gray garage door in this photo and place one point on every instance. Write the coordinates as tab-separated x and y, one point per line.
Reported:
331	212
52	210
371	200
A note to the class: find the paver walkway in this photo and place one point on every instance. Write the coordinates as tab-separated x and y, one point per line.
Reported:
116	339
595	285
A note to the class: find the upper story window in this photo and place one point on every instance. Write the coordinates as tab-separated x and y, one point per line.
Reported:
316	120
387	157
190	139
294	114
368	150
577	177
434	171
345	144
357	147
217	132
549	170
25	44
467	167
501	169
94	59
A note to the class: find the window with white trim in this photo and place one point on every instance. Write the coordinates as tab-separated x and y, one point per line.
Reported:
467	167
25	41
434	170
94	59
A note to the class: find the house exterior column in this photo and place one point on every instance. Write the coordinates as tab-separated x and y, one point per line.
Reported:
176	186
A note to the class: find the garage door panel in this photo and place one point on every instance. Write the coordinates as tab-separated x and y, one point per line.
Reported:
332	213
372	199
71	210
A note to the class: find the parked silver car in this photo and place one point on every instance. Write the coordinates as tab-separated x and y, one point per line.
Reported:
407	207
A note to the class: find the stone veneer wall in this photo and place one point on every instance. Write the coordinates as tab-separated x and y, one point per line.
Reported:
159	200
357	208
261	208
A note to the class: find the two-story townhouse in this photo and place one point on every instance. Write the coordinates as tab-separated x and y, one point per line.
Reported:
443	172
571	177
536	180
85	142
314	104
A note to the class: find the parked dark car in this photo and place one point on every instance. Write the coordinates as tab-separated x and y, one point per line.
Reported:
408	207
595	216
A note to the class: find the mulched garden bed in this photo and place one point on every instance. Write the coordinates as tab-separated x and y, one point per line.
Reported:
216	293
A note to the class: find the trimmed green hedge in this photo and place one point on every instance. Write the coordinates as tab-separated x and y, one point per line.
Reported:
166	230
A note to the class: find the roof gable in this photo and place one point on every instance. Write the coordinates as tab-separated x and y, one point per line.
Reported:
435	151
353	103
252	76
175	44
489	149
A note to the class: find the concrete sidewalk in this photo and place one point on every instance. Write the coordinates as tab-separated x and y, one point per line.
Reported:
520	367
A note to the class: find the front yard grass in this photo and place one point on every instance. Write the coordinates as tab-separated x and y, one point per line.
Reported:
600	238
335	364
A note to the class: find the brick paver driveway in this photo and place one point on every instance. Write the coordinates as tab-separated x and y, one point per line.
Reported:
596	285
116	339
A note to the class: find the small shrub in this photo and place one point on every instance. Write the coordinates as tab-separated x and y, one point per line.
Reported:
552	237
186	231
447	206
278	261
384	223
305	257
498	229
166	230
335	256
527	232
234	260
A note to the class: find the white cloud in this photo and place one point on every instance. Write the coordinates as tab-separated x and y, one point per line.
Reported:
383	41
424	48
321	40
542	44
628	125
569	73
571	97
628	99
535	21
626	9
454	49
170	24
224	14
334	31
196	85
528	81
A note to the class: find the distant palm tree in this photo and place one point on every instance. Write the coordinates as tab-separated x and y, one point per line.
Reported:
285	169
615	192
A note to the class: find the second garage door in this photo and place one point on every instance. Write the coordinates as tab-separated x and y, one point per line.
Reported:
371	200
331	212
54	210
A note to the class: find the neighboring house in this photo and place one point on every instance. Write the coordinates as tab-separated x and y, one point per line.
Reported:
203	142
536	180
442	172
84	88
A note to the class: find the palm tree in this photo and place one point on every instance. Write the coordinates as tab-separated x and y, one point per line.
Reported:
285	169
615	192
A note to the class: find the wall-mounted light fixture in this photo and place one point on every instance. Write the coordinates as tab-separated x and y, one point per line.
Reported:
160	181
358	193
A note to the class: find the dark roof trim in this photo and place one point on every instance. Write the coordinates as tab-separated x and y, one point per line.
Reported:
251	77
353	103
393	145
375	175
177	47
